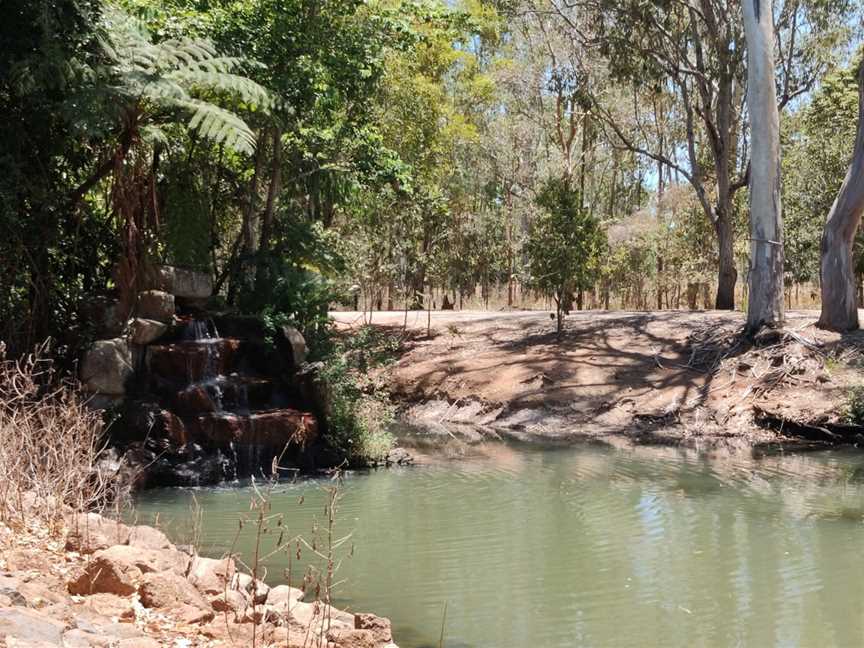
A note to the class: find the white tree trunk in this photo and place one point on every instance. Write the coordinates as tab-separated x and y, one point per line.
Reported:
765	307
839	303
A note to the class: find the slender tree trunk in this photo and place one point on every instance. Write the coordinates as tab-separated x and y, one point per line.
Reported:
727	275
273	192
839	306
765	306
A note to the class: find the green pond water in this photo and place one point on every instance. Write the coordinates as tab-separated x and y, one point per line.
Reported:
580	546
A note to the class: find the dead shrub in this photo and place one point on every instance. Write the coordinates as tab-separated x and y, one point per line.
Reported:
50	445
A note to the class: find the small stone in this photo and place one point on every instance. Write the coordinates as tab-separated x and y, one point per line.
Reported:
111	606
230	601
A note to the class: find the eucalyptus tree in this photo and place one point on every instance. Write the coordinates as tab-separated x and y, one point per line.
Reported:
694	52
839	303
765	304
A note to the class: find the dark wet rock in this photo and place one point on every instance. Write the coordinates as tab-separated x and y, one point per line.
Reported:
193	360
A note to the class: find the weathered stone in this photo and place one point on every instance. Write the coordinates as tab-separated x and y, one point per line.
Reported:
146	537
30	626
111	606
192	614
107	573
284	596
297	345
77	638
274	429
230	601
169	590
118	569
146	331
256	589
139	642
89	532
379	626
107	366
352	638
156	305
181	282
210	576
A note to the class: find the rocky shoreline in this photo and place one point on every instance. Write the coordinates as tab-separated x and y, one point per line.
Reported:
97	582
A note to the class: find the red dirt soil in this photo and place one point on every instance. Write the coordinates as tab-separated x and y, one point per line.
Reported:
666	376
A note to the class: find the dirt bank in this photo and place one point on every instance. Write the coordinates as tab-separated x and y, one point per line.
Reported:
100	583
658	377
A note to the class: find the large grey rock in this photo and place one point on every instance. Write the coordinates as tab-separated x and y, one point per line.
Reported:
107	366
156	305
297	344
181	282
145	331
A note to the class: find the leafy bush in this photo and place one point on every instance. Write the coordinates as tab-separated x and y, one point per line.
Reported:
360	411
855	405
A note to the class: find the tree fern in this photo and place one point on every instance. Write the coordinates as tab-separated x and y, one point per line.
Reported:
177	75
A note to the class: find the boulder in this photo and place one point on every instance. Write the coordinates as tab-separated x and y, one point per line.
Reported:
284	596
181	282
30	627
169	590
296	344
90	532
111	606
230	601
107	366
379	626
351	638
256	589
156	305
118	569
210	576
144	331
146	537
107	573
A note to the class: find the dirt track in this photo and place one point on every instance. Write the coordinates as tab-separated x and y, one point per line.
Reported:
669	376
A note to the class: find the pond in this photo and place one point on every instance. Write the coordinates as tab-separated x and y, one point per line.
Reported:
577	546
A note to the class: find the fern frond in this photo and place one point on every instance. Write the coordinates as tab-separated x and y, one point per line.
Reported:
221	126
239	86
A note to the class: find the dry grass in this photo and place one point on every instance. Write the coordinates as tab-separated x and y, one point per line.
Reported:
50	445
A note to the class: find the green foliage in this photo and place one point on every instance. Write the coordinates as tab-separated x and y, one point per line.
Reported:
564	244
360	411
854	412
818	137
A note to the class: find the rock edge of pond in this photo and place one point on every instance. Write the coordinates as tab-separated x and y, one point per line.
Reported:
94	581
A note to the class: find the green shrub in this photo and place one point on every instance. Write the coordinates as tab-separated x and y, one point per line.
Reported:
359	409
855	405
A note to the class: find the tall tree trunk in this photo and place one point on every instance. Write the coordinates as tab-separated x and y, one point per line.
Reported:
727	275
839	306
273	191
765	306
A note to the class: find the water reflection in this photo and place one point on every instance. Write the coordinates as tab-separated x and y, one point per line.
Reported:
589	546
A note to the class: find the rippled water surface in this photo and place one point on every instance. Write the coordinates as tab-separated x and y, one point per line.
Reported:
583	546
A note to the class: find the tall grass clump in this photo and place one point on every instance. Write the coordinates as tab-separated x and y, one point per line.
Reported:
50	444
